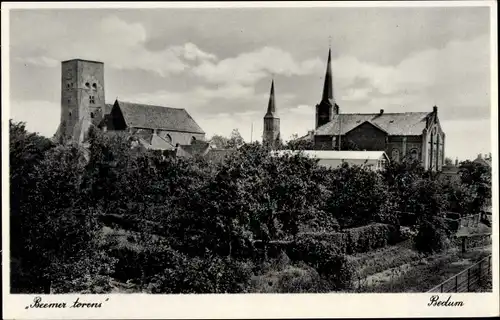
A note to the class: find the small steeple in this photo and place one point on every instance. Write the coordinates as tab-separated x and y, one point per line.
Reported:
271	132
328	86
271	107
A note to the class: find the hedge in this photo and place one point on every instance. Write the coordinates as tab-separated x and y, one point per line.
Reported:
350	241
334	268
370	237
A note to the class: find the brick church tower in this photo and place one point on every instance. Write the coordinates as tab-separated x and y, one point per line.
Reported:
82	98
327	107
271	122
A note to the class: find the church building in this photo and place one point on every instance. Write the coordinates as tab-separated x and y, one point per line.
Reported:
271	136
155	127
406	135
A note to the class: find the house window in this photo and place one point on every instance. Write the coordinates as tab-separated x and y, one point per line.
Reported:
193	139
395	154
91	99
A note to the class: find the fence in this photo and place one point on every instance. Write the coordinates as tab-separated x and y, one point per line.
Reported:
470	221
468	280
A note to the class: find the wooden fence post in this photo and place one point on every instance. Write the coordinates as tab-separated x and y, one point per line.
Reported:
441	287
456	283
480	271
468	280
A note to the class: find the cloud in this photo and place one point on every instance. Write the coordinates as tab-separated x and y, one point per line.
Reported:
124	44
454	77
250	67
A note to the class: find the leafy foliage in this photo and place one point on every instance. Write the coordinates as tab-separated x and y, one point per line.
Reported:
195	226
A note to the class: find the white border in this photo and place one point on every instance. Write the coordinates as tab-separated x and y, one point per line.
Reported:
135	306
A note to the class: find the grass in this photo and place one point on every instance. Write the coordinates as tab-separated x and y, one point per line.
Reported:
430	271
373	262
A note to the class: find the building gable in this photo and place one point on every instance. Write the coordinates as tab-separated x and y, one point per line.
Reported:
367	136
403	124
157	117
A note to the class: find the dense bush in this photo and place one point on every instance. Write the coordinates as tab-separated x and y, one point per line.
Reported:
289	279
370	237
432	236
327	258
358	196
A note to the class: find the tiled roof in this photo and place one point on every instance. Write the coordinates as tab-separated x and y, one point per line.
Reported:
198	148
157	117
407	123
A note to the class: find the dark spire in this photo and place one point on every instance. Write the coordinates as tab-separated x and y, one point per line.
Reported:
328	87
271	107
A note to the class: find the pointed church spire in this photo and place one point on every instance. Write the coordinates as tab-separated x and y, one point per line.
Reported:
271	107
271	132
328	86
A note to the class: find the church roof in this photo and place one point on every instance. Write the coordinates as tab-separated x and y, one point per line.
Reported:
197	148
271	107
157	117
396	124
327	95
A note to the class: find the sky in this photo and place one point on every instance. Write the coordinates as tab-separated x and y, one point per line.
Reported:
218	64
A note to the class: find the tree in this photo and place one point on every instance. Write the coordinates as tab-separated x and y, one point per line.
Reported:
448	161
295	144
358	196
236	140
478	177
219	141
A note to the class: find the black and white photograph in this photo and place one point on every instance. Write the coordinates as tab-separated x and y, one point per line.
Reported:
232	149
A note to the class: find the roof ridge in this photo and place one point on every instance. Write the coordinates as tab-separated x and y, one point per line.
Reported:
149	105
385	113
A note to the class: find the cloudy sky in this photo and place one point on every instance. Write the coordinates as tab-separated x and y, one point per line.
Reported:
218	64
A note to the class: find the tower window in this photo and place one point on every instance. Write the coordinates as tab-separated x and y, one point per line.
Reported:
94	85
70	113
92	115
91	99
87	84
68	85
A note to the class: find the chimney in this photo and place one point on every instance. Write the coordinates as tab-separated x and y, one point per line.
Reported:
479	156
381	111
456	162
311	134
435	109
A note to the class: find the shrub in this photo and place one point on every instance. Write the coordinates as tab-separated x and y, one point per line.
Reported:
432	236
370	237
203	275
317	246
291	279
326	257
